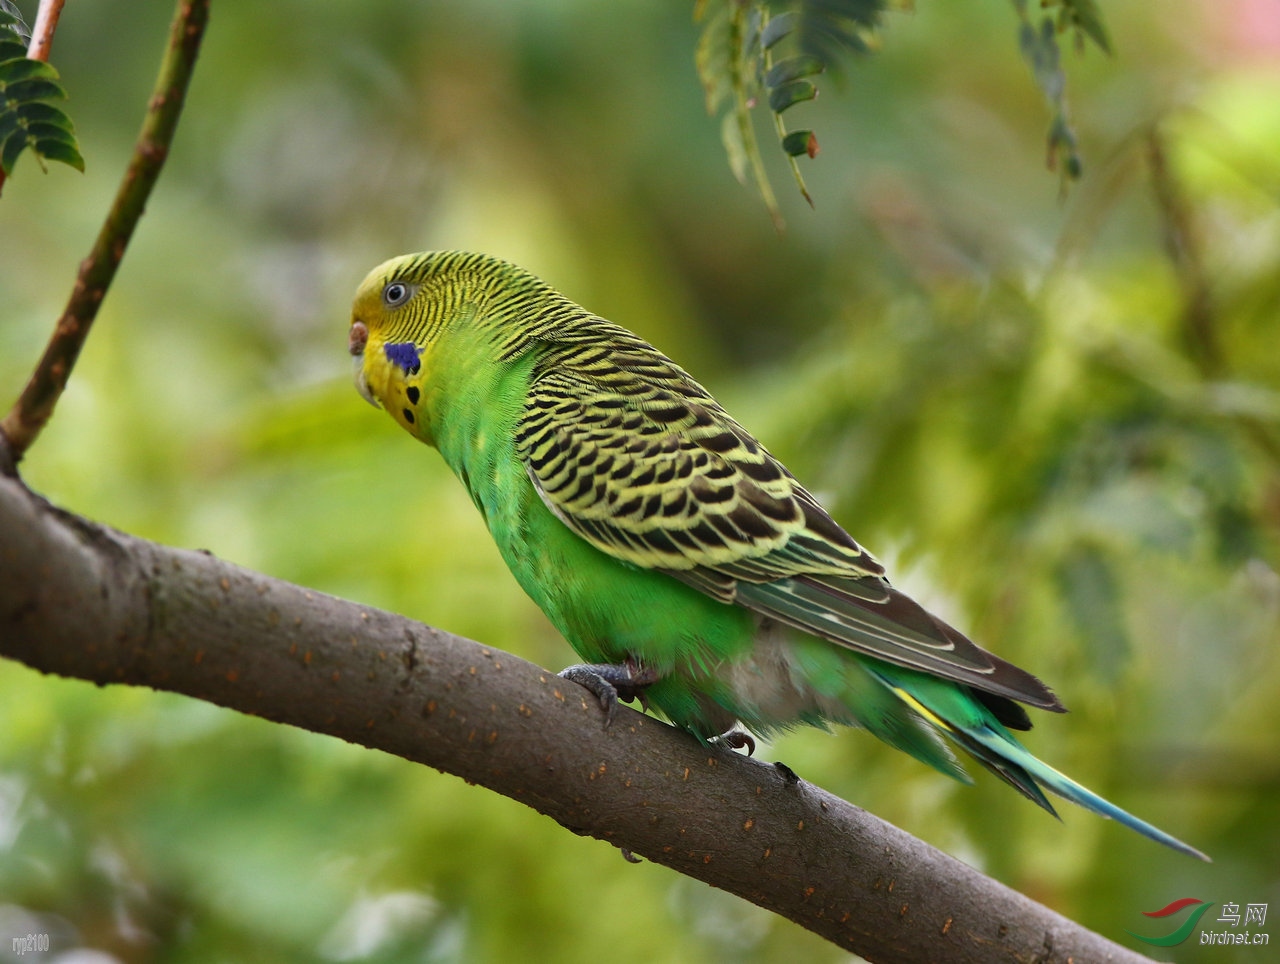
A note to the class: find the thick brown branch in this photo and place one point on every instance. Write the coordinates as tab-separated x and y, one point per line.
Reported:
34	407
82	600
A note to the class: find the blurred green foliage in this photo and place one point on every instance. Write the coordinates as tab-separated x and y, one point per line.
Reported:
753	53
1010	397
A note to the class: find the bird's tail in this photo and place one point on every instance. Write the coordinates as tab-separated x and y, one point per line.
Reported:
964	720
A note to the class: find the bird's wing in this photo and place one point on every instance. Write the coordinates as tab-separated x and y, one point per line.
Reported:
638	459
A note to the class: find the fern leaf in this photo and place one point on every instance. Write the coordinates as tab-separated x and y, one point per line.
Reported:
1039	46
27	120
769	51
748	55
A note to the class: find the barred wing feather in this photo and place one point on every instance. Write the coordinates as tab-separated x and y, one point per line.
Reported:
638	459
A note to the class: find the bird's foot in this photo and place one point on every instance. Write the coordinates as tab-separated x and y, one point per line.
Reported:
610	682
737	740
629	857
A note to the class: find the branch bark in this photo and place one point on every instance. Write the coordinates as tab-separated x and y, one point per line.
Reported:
82	600
47	17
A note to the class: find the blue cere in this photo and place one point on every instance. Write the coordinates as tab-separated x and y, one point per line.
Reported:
404	355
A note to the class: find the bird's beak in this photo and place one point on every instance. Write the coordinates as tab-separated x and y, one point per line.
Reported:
357	338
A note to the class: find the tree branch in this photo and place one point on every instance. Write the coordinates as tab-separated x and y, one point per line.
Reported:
42	34
34	407
82	600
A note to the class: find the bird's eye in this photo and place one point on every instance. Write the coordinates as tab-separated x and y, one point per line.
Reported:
396	293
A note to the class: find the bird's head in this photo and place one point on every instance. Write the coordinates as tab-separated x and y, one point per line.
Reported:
396	319
431	332
388	330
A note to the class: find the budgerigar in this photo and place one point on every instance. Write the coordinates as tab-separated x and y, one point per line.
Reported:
678	557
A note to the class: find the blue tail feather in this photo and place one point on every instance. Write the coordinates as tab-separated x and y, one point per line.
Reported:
971	726
1061	784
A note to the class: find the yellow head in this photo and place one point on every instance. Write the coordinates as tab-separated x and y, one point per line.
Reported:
385	341
432	334
400	312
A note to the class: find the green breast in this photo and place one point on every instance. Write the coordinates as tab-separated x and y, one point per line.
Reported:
607	609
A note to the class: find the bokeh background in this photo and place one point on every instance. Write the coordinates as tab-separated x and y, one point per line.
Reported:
1059	434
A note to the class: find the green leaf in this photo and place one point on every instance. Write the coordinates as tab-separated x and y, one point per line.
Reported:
734	149
11	21
13	146
777	28
788	95
23	68
10	48
1086	17
1039	47
35	88
61	148
41	113
797	143
745	51
712	59
25	120
41	131
793	68
731	63
828	27
752	52
1040	50
44	125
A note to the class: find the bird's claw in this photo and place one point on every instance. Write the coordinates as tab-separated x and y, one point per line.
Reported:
610	682
737	740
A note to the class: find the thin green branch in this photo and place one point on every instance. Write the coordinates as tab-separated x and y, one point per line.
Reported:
35	406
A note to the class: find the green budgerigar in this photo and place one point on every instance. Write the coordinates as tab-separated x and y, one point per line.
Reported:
678	557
